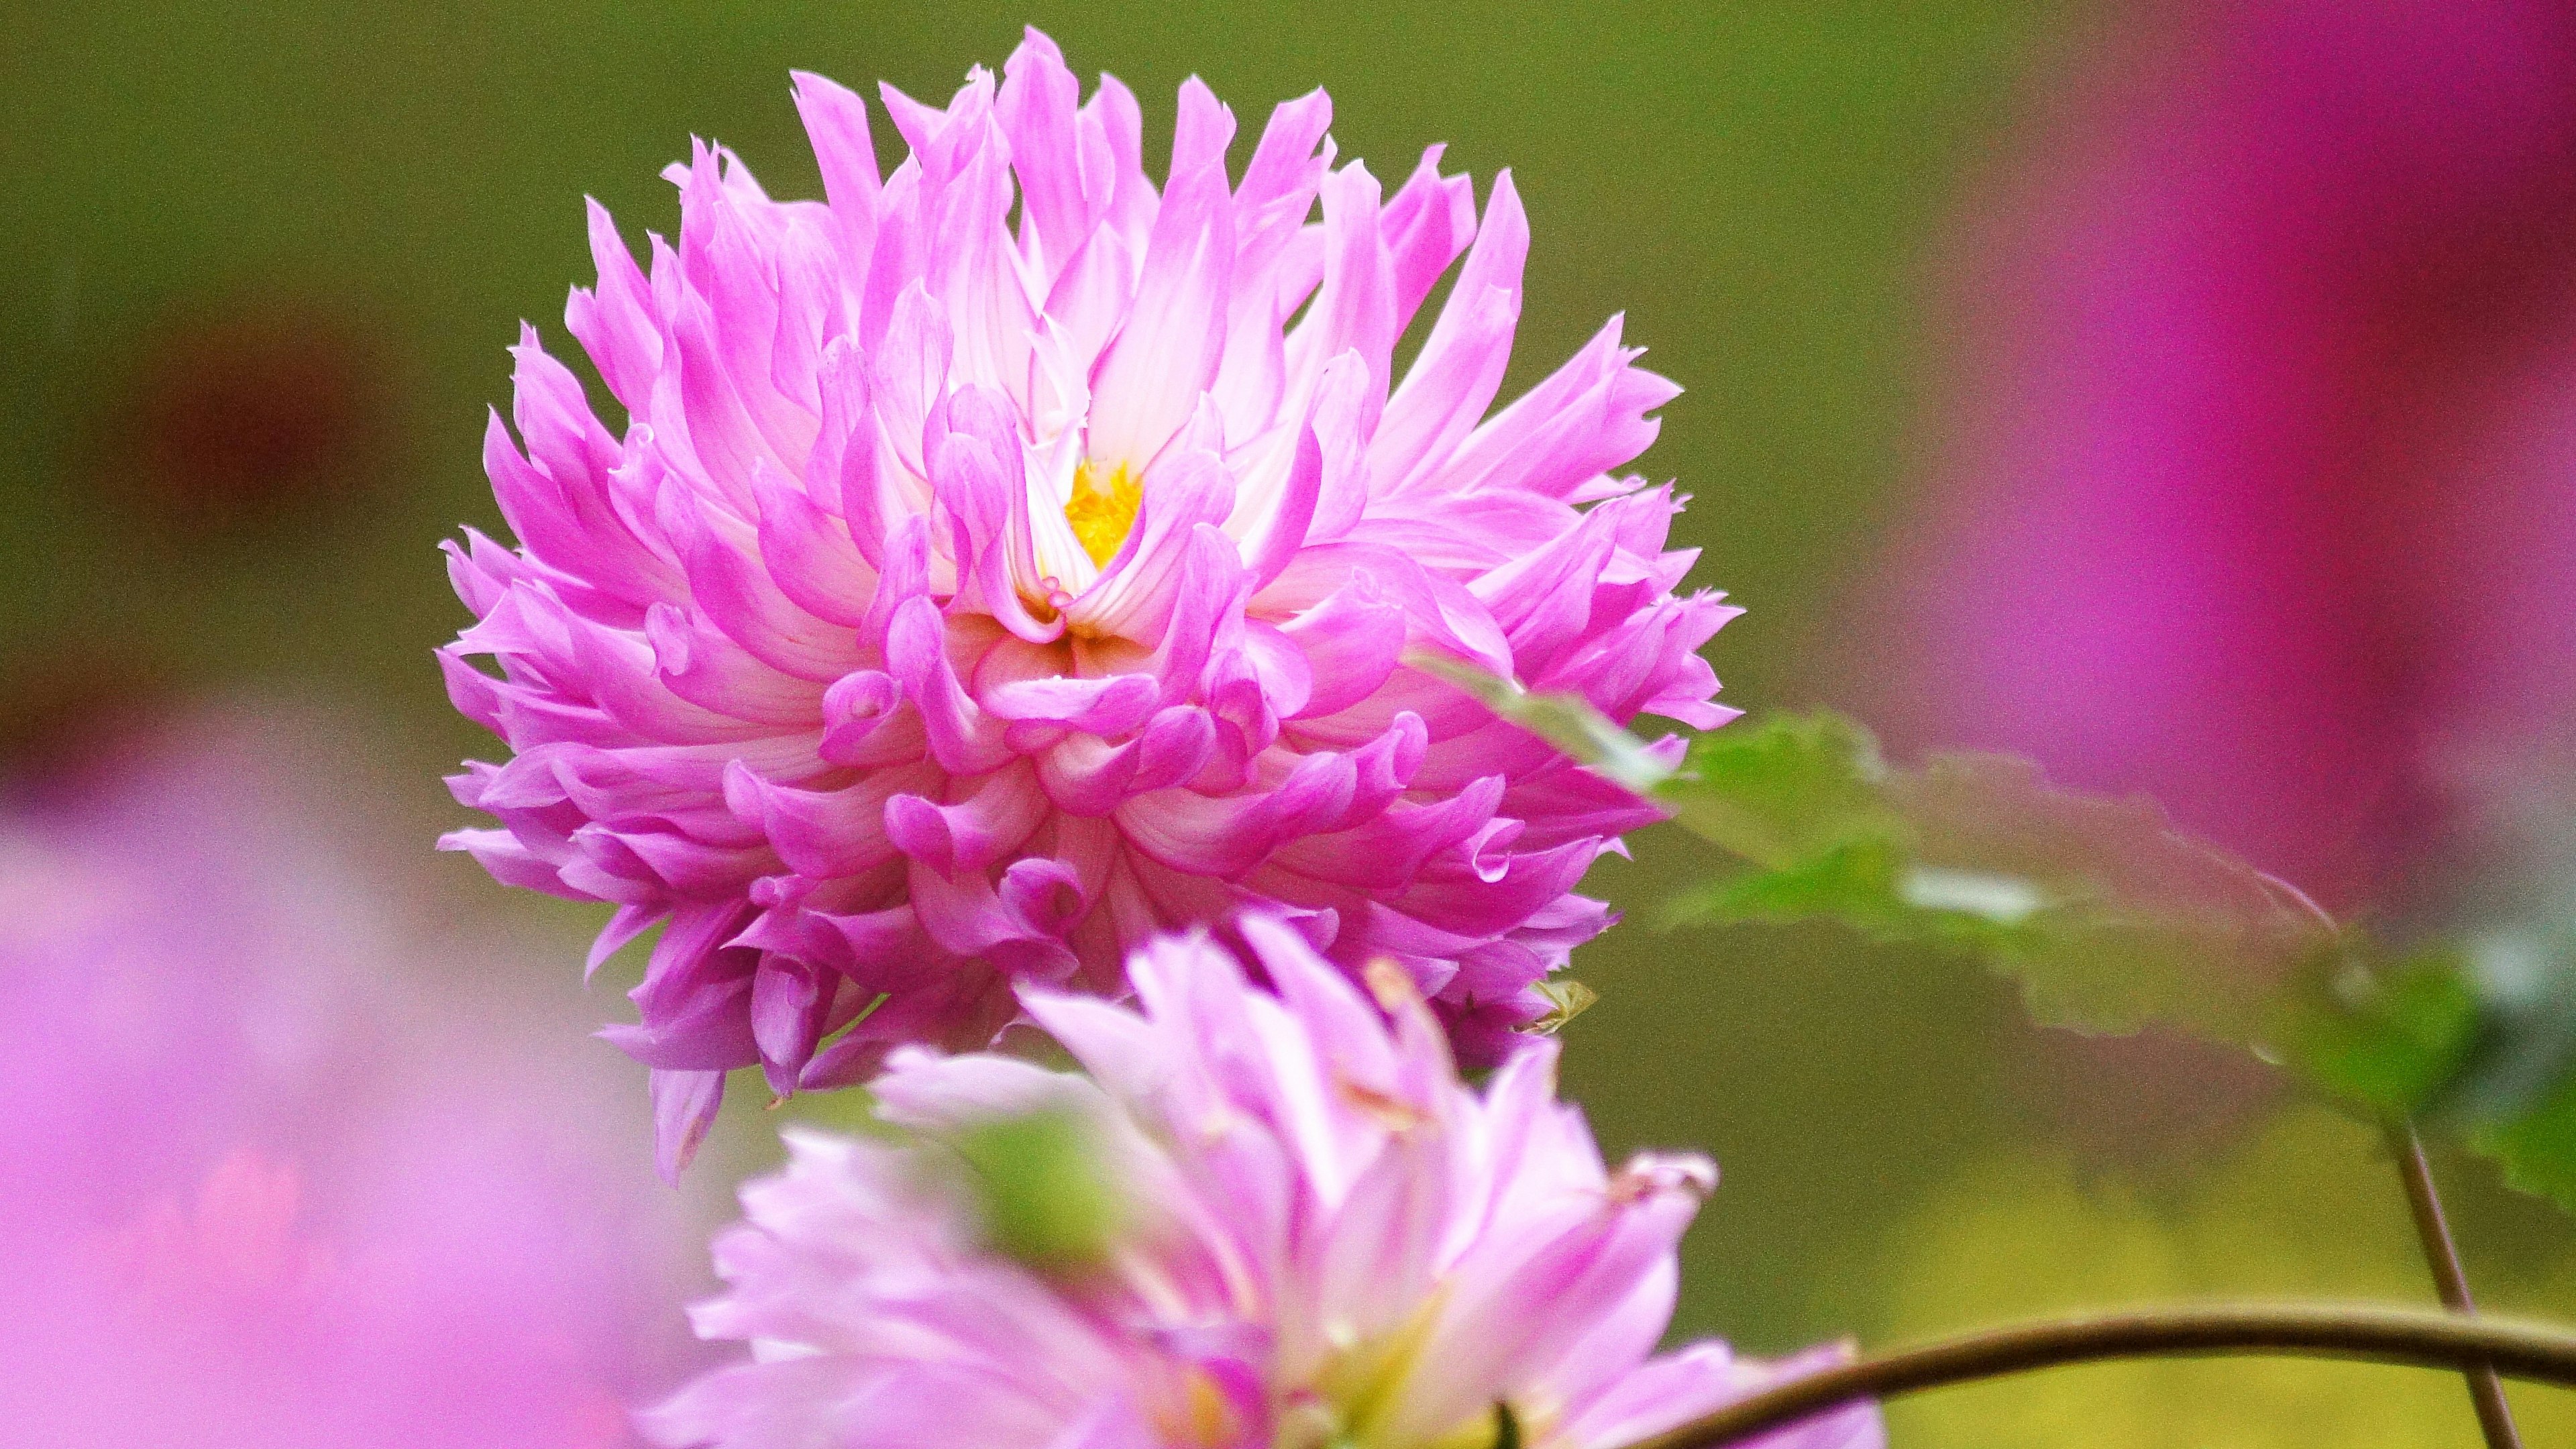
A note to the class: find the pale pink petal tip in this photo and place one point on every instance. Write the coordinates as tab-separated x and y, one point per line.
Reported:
987	576
1315	1234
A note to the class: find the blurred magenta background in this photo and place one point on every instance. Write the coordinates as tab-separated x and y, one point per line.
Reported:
2184	394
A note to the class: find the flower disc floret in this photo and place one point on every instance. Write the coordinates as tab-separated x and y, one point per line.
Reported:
967	598
1323	1238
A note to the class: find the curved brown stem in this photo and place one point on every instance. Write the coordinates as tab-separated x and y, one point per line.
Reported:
2486	1390
2347	1331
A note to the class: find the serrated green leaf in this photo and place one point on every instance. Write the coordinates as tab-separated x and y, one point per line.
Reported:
2475	1040
1781	791
2538	1149
2472	1040
1854	884
2108	916
2386	1036
2111	918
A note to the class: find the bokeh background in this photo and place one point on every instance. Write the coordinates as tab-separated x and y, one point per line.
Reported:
2181	393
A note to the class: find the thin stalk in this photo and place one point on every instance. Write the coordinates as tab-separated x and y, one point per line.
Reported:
2486	1389
2344	1331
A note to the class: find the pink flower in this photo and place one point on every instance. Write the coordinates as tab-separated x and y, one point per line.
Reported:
260	1188
2259	494
1322	1237
963	604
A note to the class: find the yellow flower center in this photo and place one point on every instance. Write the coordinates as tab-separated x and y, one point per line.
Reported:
1103	512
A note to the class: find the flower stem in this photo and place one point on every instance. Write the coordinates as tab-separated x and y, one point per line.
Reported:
2486	1388
2350	1331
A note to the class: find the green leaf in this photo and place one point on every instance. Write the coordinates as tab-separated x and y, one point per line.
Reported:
2515	1095
2386	1035
2108	916
1855	884
2440	1036
2111	918
2538	1148
1784	790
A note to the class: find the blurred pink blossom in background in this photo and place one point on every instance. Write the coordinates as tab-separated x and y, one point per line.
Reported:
262	1181
2259	492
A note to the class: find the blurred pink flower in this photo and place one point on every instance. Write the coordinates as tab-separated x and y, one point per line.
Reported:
961	605
1324	1238
258	1189
2263	497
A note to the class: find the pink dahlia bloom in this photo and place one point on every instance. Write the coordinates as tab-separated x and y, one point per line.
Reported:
963	603
1322	1237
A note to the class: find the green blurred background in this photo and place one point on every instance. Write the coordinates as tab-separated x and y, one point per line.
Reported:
219	212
